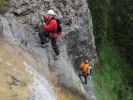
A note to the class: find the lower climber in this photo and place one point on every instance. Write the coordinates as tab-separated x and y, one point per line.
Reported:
84	68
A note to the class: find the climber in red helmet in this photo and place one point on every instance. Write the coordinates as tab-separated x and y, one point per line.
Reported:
52	30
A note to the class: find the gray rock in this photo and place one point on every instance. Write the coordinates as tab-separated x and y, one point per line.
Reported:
77	38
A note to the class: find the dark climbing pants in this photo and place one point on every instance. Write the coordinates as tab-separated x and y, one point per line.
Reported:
44	38
84	75
54	46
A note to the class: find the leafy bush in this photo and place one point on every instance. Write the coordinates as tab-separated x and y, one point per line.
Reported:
3	3
109	78
112	20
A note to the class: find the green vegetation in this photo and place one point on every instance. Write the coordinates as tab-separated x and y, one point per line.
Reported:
3	3
108	76
113	24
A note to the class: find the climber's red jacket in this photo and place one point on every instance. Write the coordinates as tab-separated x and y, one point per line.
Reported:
51	26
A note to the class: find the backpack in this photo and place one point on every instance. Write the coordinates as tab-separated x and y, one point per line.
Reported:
59	28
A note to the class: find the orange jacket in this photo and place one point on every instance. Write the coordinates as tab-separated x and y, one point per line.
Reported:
84	67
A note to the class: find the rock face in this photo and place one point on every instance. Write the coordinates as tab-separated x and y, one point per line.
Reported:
18	79
76	19
77	40
14	31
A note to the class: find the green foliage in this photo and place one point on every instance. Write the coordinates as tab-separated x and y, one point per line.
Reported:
113	27
108	77
123	22
101	21
3	3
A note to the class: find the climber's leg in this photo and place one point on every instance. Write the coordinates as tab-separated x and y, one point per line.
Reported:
43	37
85	77
54	46
80	76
